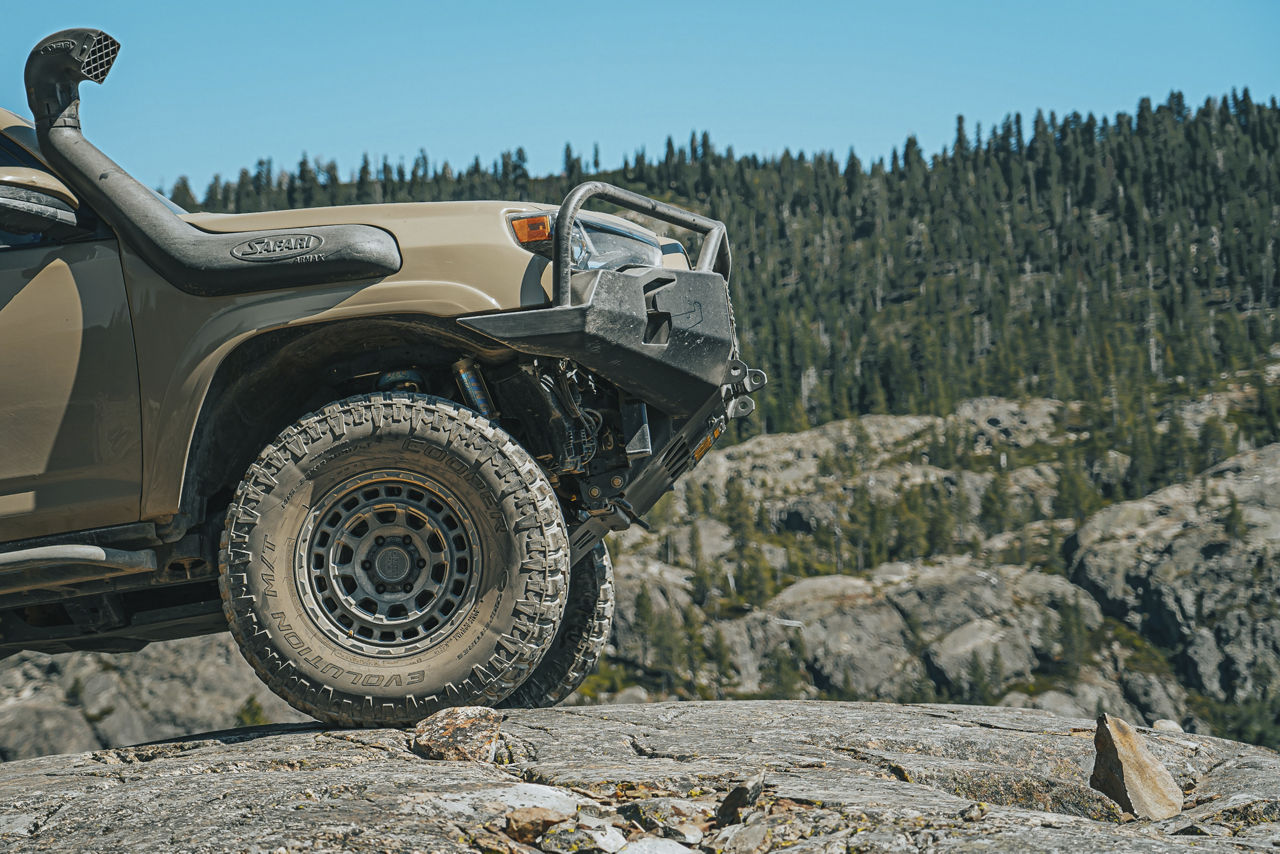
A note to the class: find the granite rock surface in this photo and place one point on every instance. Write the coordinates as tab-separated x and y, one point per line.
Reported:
837	777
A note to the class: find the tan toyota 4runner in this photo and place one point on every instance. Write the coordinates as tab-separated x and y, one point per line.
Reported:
382	443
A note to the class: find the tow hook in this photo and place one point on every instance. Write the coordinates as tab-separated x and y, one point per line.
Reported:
742	381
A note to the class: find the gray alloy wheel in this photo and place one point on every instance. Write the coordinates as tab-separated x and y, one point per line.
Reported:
387	562
391	555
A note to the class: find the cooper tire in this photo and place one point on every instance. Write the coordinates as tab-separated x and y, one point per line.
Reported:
392	555
584	630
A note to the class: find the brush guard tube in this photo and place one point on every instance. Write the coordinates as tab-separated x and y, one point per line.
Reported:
665	337
713	257
199	262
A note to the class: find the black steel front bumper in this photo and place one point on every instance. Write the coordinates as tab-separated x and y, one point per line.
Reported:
665	337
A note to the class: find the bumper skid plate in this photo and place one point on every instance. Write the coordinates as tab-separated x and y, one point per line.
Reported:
664	336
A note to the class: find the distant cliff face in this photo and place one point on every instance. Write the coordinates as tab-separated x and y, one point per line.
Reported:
1195	568
84	701
1166	607
722	777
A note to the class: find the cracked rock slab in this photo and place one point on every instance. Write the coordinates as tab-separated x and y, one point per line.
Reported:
974	778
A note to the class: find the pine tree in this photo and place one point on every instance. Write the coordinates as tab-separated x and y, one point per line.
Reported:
1215	443
784	673
995	513
182	196
1076	497
644	626
367	192
1233	522
1072	639
721	659
978	689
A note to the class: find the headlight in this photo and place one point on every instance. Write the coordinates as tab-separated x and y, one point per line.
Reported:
594	245
598	246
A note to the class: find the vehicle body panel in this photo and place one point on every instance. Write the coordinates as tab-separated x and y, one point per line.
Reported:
183	338
20	131
70	437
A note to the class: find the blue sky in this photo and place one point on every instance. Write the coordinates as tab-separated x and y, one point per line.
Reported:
201	88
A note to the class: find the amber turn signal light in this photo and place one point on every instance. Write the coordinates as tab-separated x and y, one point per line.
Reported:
532	229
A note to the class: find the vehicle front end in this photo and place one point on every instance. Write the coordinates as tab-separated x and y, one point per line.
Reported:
380	444
626	380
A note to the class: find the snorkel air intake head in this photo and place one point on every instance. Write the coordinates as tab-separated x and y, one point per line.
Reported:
56	68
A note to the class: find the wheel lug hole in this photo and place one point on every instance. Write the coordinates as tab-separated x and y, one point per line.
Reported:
421	563
381	588
407	540
407	588
377	541
366	565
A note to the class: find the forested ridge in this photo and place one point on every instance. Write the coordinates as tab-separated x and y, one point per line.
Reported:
1122	262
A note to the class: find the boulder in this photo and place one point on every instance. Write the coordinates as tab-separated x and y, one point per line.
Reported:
85	700
40	725
464	733
526	824
1125	771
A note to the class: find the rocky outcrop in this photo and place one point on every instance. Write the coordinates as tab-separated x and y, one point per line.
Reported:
1174	599
799	776
1194	568
905	623
955	627
803	480
84	701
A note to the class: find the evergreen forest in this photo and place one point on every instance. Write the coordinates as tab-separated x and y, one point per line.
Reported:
1122	262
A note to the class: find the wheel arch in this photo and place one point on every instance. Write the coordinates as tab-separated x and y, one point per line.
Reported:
271	379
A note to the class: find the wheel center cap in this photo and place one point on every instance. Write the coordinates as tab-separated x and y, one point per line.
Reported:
392	564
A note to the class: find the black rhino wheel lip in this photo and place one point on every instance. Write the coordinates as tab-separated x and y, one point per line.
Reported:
388	563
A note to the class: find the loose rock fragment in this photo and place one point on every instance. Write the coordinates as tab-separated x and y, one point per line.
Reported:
573	838
743	839
1166	725
1197	828
673	818
465	733
526	824
739	799
1125	771
487	842
687	833
652	845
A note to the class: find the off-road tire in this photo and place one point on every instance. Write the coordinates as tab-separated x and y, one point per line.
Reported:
588	618
511	525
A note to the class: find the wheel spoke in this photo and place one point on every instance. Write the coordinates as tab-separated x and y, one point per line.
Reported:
377	589
342	543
